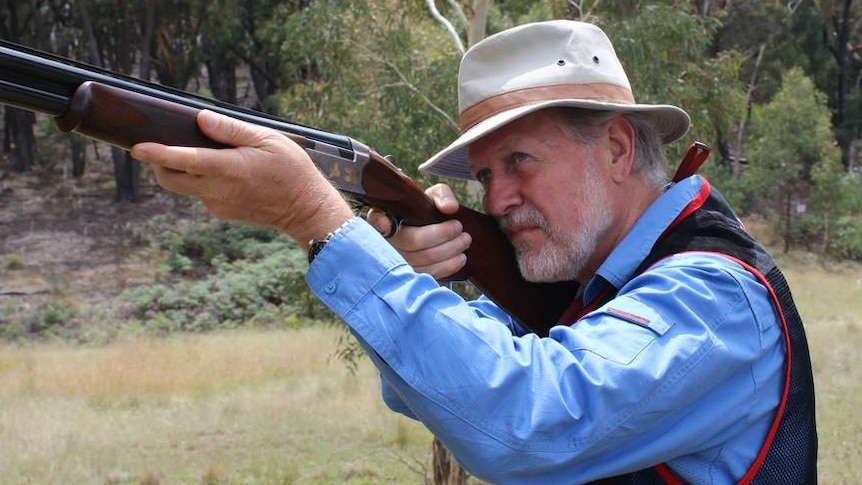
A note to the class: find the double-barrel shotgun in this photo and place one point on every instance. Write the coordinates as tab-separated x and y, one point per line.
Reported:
122	111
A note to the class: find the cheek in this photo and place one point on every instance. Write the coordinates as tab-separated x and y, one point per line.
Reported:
565	206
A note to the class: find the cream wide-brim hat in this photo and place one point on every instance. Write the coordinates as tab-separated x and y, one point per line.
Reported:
536	66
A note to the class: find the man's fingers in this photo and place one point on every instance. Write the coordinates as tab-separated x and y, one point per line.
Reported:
443	269
379	220
178	181
180	159
453	248
420	238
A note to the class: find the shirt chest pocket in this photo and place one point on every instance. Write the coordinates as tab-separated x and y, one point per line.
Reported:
620	331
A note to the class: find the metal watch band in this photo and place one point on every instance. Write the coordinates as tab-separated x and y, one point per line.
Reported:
317	245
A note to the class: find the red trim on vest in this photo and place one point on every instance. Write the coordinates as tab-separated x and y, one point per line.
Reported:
695	204
667	475
663	470
782	405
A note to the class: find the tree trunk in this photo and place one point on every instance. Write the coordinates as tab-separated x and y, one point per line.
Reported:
20	137
222	76
127	172
126	169
478	21
79	155
788	211
446	470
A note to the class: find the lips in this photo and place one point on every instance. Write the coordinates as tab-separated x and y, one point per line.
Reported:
519	225
517	232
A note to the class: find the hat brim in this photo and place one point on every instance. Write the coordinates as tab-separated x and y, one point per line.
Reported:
671	123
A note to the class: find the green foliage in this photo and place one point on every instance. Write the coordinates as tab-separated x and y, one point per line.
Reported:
386	76
845	235
790	135
245	275
794	159
13	262
664	49
53	318
846	242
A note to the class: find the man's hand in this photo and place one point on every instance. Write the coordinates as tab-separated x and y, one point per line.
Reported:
436	249
267	179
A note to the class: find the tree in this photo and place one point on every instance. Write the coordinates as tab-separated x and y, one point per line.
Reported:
17	22
842	34
792	136
667	50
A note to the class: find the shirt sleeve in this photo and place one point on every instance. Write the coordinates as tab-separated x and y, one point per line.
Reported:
694	340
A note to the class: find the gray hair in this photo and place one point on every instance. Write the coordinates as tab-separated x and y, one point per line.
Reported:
650	160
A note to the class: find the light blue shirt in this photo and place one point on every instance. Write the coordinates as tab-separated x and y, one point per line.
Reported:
684	366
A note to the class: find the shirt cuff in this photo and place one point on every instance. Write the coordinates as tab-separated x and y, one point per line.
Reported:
354	260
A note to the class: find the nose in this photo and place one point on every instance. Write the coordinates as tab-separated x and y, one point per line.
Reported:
501	195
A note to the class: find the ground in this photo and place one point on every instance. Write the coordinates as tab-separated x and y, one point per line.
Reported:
64	236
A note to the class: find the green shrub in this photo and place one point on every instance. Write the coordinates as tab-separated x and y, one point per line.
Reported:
846	241
224	275
54	318
13	262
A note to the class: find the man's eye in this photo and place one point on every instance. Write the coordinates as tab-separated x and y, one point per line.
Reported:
519	157
483	175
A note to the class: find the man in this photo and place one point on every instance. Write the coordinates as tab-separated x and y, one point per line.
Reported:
682	358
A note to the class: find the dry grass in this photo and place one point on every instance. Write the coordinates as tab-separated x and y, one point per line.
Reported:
252	407
831	305
239	407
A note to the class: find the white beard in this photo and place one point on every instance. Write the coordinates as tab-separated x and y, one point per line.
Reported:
564	255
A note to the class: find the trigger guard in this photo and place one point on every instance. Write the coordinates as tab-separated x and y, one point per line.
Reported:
394	225
395	222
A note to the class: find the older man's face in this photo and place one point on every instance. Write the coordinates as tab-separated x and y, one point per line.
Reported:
550	194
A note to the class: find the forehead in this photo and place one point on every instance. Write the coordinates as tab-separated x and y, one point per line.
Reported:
534	127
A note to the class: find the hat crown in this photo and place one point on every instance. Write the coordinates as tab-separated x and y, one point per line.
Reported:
554	53
559	63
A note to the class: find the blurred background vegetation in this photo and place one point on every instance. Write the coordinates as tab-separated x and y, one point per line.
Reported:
775	87
772	86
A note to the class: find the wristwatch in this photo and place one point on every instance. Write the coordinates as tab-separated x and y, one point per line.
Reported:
315	246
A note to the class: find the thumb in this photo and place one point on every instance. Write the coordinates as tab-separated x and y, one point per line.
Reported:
444	198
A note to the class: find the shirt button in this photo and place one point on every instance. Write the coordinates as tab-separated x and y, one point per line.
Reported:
331	286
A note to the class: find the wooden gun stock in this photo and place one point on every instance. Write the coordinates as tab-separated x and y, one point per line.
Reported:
124	118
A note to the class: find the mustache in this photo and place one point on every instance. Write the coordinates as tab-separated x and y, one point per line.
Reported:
524	217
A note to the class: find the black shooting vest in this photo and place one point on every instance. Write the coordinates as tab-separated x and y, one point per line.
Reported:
788	455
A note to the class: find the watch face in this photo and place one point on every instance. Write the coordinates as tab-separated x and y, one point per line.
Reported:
315	247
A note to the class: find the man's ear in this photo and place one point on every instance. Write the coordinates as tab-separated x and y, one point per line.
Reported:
621	148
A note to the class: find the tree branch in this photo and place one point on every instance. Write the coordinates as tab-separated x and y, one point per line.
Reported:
407	84
432	6
459	11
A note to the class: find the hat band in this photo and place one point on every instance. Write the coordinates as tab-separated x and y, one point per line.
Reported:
598	92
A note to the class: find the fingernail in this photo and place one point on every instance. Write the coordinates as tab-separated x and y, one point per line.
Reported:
210	121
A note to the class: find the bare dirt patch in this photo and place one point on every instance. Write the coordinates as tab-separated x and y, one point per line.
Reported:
71	238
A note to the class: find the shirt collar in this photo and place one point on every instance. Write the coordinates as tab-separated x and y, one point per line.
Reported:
625	258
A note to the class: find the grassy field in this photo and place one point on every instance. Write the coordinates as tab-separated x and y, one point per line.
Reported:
255	407
245	407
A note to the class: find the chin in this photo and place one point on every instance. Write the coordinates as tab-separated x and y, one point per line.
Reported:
542	272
